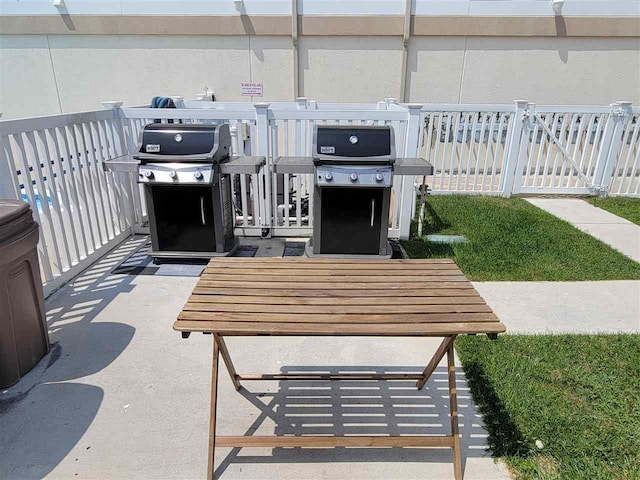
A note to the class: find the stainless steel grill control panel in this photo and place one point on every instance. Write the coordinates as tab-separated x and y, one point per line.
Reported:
353	176
177	173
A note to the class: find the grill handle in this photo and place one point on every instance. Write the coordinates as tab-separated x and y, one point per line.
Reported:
204	222
196	157
373	210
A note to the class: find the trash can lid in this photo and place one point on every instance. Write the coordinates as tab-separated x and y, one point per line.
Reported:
15	217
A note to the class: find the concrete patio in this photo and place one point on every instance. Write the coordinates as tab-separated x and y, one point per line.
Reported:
121	395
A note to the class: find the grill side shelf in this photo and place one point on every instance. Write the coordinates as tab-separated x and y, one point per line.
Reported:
248	164
412	166
125	163
294	165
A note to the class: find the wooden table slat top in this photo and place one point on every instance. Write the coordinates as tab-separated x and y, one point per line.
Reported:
302	296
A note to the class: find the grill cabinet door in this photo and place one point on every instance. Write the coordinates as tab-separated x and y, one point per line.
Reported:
184	218
351	220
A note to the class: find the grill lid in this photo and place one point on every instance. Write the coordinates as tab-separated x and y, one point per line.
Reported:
162	142
342	144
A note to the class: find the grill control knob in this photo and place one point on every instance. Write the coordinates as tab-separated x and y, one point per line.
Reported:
198	175
172	174
353	177
147	174
328	177
379	177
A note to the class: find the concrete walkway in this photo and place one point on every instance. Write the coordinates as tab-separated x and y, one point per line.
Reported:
565	307
617	232
122	396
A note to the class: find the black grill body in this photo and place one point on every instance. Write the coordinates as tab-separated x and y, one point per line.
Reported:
188	200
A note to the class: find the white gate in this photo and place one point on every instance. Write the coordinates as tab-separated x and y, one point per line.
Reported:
564	151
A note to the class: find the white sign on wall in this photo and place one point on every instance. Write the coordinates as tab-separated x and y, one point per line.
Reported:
251	89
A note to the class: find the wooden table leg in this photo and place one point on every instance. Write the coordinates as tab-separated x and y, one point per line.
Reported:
212	418
435	360
453	406
227	360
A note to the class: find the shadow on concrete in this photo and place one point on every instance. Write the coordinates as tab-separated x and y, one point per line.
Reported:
42	431
41	420
355	407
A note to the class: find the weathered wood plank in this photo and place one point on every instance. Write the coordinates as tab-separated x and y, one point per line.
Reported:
330	442
271	266
342	261
351	310
199	315
334	278
310	272
329	376
282	300
338	293
338	329
333	285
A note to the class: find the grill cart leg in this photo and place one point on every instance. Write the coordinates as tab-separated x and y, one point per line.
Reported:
212	418
227	360
453	407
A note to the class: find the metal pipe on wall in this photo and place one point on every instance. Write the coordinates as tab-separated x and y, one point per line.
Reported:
406	34
294	39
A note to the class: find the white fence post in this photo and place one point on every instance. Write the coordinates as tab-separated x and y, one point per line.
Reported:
411	150
120	147
262	124
522	160
512	158
7	174
611	139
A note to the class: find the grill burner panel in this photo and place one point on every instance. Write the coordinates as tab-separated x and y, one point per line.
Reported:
178	173
353	176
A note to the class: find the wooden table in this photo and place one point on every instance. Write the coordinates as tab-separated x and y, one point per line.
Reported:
330	297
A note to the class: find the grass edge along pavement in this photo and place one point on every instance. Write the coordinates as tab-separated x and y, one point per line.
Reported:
624	207
513	240
558	406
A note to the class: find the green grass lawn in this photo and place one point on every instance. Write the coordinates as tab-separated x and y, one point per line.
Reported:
628	208
510	239
579	395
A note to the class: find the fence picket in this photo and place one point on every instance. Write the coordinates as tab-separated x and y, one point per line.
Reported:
38	159
59	229
98	172
67	201
84	158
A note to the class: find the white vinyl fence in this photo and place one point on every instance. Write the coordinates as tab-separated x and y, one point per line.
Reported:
55	162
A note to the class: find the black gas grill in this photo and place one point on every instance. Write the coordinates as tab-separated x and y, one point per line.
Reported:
353	174
353	168
185	170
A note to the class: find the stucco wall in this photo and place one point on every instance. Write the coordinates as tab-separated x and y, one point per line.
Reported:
42	74
350	69
552	70
27	81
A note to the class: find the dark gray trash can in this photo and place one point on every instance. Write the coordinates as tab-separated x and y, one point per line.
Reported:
23	330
